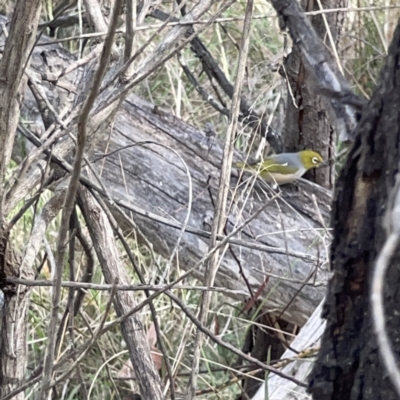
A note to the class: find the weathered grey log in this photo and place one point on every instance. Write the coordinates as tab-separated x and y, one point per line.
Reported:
154	179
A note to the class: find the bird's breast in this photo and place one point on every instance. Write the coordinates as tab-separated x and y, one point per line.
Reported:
280	179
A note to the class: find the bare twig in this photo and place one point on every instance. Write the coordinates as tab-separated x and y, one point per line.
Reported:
215	21
132	24
70	197
228	346
42	220
14	59
106	287
130	35
101	227
131	257
331	41
98	20
164	52
219	217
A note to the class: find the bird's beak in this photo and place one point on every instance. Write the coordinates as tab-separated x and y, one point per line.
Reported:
324	164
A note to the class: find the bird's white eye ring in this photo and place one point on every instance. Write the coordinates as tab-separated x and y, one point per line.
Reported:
314	160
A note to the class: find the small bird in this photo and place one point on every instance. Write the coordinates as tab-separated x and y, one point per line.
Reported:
284	167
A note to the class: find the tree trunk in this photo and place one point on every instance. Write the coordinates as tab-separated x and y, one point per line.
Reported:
307	122
349	366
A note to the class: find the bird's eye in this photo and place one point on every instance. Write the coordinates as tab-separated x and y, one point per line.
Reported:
315	160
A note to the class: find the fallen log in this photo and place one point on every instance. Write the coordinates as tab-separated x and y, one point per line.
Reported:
147	152
142	159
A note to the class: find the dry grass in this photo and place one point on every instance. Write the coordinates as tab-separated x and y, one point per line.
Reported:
364	45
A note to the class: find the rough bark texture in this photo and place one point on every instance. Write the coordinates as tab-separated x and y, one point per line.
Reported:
13	333
13	328
12	79
348	365
113	269
154	180
308	124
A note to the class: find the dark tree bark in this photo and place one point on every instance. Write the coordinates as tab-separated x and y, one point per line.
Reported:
349	366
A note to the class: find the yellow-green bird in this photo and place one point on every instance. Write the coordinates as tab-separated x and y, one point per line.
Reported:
284	167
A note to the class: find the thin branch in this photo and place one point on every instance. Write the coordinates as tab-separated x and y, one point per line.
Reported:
129	50
24	23
101	227
131	257
99	22
70	197
161	54
98	35
219	217
228	346
42	220
106	287
87	246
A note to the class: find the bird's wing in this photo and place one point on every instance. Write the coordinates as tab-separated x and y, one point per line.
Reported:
272	166
281	168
